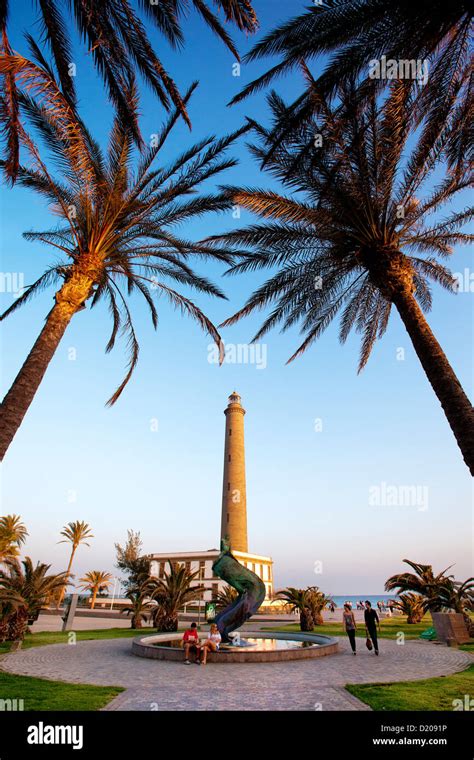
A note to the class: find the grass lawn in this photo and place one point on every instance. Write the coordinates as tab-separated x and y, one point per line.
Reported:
428	694
389	628
39	694
58	637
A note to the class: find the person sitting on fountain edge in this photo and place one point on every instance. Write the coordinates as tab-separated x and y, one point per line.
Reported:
191	642
212	642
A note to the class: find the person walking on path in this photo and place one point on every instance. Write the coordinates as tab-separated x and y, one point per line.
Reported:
371	622
349	623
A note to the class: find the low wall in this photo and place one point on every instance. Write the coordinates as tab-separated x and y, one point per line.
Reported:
148	646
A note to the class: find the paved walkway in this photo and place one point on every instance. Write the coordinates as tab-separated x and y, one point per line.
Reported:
300	685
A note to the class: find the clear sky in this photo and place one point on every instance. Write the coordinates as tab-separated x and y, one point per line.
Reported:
319	437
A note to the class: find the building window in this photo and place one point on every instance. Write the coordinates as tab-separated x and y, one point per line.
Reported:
187	565
202	570
215	590
162	570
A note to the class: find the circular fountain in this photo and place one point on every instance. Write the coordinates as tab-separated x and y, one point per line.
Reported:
259	647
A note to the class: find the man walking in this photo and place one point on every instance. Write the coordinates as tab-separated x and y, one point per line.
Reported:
371	622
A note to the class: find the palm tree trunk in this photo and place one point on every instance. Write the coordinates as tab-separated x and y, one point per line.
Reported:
69	299
456	405
94	597
68	571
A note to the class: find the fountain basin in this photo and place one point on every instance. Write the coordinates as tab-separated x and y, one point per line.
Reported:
265	647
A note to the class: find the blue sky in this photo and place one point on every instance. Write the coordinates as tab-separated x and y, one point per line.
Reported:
308	488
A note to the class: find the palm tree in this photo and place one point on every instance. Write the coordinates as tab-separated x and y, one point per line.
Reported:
75	533
359	33
24	591
412	605
119	43
356	236
318	602
456	596
96	581
118	226
172	593
226	596
13	534
422	582
140	606
298	600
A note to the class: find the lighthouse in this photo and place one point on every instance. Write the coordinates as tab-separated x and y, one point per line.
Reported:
234	495
233	521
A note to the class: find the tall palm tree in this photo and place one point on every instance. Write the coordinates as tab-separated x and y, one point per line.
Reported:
118	226
172	593
75	533
119	43
359	32
13	534
95	581
25	590
298	600
356	234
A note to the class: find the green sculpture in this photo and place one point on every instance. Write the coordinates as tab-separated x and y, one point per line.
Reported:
249	586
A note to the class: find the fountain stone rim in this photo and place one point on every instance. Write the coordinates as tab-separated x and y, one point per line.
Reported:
148	647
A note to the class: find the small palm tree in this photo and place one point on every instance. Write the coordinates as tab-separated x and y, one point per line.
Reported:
318	602
118	43
96	581
359	32
13	534
24	591
412	605
422	582
141	605
118	229
298	600
172	593
226	596
75	533
354	236
456	596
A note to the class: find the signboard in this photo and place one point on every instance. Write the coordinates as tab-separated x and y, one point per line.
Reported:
210	612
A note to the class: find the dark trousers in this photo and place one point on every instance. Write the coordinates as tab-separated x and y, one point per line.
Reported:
352	638
373	635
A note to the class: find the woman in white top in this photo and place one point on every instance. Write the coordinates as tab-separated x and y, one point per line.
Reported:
212	642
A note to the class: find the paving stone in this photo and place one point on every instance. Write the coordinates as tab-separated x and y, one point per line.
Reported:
300	685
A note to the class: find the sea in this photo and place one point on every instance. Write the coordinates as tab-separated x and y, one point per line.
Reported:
373	599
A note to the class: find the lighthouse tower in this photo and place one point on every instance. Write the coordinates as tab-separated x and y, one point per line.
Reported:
234	496
233	521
